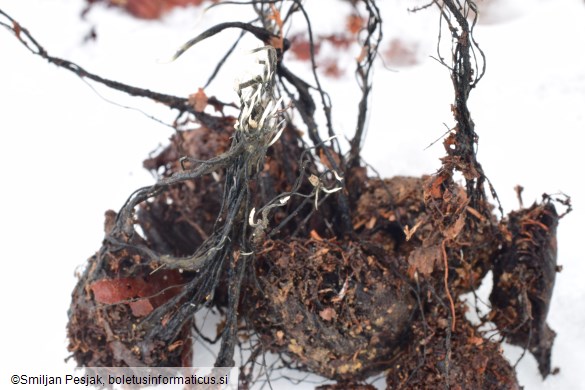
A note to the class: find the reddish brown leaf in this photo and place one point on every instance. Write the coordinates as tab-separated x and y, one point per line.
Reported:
354	23
152	9
453	231
155	291
16	29
473	340
110	291
175	345
198	100
141	307
435	187
181	3
279	336
315	236
331	69
325	160
277	42
328	314
145	9
301	48
338	41
400	53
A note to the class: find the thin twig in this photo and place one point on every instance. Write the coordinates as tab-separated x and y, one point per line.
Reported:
446	283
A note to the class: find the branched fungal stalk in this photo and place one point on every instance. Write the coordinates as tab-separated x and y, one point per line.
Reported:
259	107
257	128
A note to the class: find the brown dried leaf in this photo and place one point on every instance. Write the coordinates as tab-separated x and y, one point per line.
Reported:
16	28
331	68
277	43
338	40
423	260
325	160
110	221
354	23
175	345
280	335
449	142
473	340
301	48
141	307
435	187
453	231
315	236
156	290
283	292
400	53
295	348
151	9
198	100
144	9
321	252
371	223
328	314
408	232
111	291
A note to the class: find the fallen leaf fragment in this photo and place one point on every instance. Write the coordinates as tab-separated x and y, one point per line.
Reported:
423	260
295	348
141	307
198	100
328	314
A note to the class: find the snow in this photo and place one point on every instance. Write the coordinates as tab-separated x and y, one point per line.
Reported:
69	155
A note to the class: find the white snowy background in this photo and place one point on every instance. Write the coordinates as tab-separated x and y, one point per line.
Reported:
68	154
